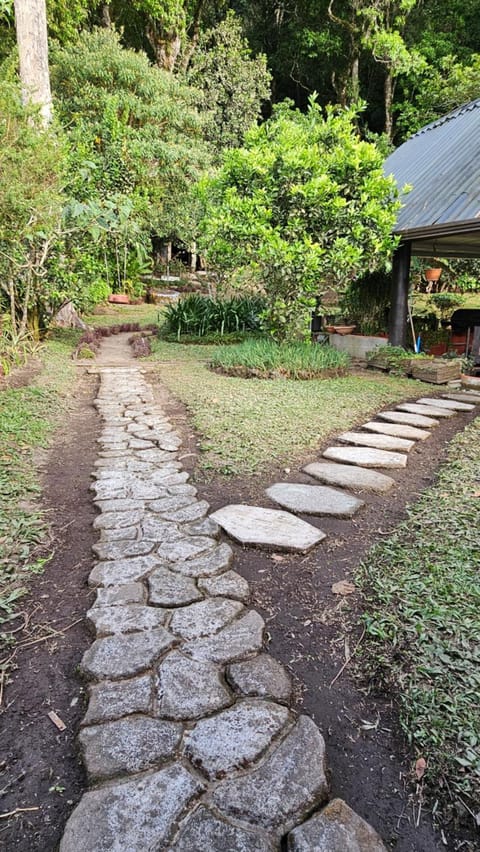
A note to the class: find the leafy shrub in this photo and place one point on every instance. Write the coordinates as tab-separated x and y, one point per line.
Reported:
200	315
266	358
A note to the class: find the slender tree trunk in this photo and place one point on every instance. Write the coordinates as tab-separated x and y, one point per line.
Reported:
355	78
106	16
31	28
166	46
388	95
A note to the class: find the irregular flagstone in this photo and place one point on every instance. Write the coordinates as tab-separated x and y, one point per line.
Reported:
252	525
472	397
125	654
403	418
366	457
186	548
314	499
119	595
121	504
378	442
336	829
138	814
182	488
204	618
189	689
396	430
212	563
122	571
172	502
427	410
125	619
234	738
114	520
202	527
194	512
262	677
121	534
445	403
122	549
170	589
110	700
240	639
348	476
203	830
158	530
127	746
284	788
228	585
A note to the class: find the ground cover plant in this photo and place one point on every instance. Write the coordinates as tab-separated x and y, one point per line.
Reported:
198	316
422	600
269	359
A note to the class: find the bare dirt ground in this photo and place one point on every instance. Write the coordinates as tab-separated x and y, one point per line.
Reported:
41	777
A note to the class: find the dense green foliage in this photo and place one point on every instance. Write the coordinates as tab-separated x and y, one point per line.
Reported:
198	316
287	360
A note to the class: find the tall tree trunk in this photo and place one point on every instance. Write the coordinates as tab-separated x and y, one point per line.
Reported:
31	28
388	97
106	16
166	46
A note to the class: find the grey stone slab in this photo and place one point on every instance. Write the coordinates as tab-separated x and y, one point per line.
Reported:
170	589
242	638
189	689
203	830
348	476
262	677
228	585
121	504
134	815
139	444
195	512
122	571
455	405
204	618
378	442
426	410
169	441
130	618
271	528
404	419
336	829
474	398
127	746
116	520
235	737
154	528
396	430
186	548
172	502
120	534
314	499
122	550
182	488
113	699
285	788
366	457
125	654
205	526
129	593
208	565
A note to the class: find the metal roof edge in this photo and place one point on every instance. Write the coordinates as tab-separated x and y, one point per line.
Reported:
469	226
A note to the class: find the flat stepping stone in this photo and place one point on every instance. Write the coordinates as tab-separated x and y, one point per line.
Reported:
130	815
272	528
234	738
348	476
212	563
314	499
125	654
261	677
130	593
366	457
204	618
472	397
122	571
403	418
185	548
204	830
228	585
414	408
189	689
396	430
446	403
127	746
237	640
378	442
131	618
111	700
170	589
284	789
335	829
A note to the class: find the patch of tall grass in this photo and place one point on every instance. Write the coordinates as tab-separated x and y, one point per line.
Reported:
197	316
266	358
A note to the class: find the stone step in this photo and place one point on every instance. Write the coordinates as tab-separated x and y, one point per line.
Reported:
378	442
469	396
271	528
314	499
427	410
446	403
403	418
396	430
366	457
348	476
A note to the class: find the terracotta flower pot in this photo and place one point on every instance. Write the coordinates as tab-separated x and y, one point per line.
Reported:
433	274
119	298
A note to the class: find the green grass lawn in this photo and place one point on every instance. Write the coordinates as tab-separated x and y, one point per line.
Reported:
116	314
422	596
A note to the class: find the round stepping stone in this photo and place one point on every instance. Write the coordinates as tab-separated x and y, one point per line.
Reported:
272	528
314	499
204	830
365	457
446	403
170	589
228	585
409	419
336	829
378	442
127	746
348	476
427	410
234	738
136	814
204	618
262	677
396	430
474	398
189	689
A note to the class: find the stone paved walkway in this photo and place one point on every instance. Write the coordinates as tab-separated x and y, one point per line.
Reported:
189	741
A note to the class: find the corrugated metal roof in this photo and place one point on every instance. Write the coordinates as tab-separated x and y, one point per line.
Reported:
442	164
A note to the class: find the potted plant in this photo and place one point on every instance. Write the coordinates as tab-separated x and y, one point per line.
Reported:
432	273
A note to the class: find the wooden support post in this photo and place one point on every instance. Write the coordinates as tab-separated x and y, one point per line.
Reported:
399	302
